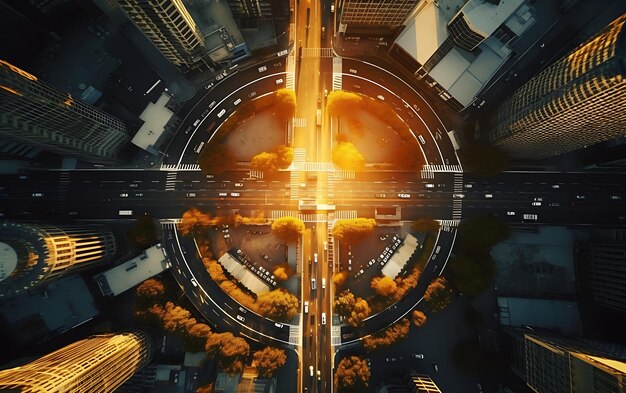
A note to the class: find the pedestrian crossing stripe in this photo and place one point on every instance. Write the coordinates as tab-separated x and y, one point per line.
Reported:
180	167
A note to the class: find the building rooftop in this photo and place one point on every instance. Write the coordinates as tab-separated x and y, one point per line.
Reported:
557	315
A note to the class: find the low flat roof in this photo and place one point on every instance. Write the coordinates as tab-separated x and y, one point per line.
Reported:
400	257
155	117
243	275
549	314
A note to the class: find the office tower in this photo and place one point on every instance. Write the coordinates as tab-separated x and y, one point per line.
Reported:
97	364
170	27
580	100
420	383
269	9
559	364
32	254
33	113
601	273
375	14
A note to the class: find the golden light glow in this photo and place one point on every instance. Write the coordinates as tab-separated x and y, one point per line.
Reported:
11	90
69	101
18	70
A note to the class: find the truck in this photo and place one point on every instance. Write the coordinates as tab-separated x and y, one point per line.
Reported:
319	117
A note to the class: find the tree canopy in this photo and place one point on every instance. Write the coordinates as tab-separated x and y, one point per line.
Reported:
269	360
278	305
352	375
438	294
347	157
340	278
419	318
285	103
289	229
393	333
228	350
384	286
351	230
425	225
472	275
193	219
339	103
279	158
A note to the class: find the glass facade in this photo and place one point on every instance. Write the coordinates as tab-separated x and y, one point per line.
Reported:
390	13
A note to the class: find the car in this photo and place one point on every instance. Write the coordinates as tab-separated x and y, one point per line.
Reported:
237	101
311	370
206	112
313	283
279	81
253	94
238	184
381	196
243	310
536	203
283	53
391	360
221	113
580	196
556	186
323	283
235	194
435	367
555	204
278	324
404	196
488	196
306	307
510	213
421	138
212	104
122	195
138	194
325	93
417	355
319	375
262	68
194	282
241	318
469	185
538	199
325	245
209	176
380	97
323	318
191	195
199	147
531	217
616	197
459	196
195	123
210	85
430	185
223	194
315	257
188	130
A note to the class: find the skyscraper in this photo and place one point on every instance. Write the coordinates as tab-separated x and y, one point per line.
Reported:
578	101
97	364
170	27
275	9
375	14
33	113
551	364
601	273
31	254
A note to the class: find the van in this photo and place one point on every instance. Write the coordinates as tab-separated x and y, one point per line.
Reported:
195	123
532	217
315	257
221	113
323	318
323	283
279	81
313	283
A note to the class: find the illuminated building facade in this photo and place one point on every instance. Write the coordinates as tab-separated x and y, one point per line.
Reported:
275	9
388	15
32	254
34	113
578	101
170	27
100	363
421	383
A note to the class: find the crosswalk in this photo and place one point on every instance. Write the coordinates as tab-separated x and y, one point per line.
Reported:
317	52
457	204
299	122
255	174
446	225
170	181
294	335
181	167
304	217
345	214
428	171
335	335
341	174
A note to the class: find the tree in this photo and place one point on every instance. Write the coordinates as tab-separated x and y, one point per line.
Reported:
352	375
228	350
347	157
384	286
282	272
288	228
419	318
438	294
196	336
425	225
344	303
216	271
176	319
278	305
470	275
405	284
354	229
284	156
478	234
360	311
339	279
285	103
269	360
216	158
339	103
152	289
205	389
393	333
483	160
265	162
192	220
144	232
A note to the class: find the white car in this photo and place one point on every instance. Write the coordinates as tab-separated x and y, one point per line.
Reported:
221	113
238	184
123	195
404	196
241	318
237	101
191	195
421	138
510	213
352	71
380	97
311	370
306	307
459	196
234	194
262	68
488	196
194	282
430	185
536	204
279	81
223	194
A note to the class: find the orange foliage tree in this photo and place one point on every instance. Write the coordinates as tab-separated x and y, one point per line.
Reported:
393	333
279	158
384	286
347	157
419	318
205	388
228	350
354	309
351	230
339	103
340	278
152	289
438	294
192	220
289	229
285	103
282	272
278	305
269	360
352	375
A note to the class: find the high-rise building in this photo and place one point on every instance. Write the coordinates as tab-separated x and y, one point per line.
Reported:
275	9
32	254
34	113
551	364
601	273
421	383
100	363
578	101
170	27
374	14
